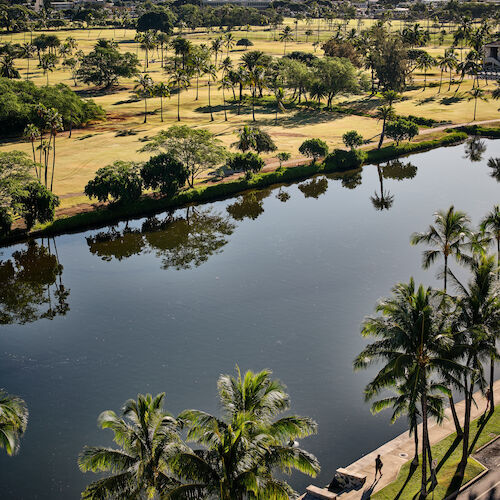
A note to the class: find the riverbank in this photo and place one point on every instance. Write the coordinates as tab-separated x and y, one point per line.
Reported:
400	481
95	216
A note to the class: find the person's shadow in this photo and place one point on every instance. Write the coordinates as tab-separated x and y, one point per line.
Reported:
368	493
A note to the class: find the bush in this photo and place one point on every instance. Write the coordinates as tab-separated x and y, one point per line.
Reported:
18	101
340	160
120	181
352	139
246	162
5	221
401	129
36	203
244	42
165	173
314	148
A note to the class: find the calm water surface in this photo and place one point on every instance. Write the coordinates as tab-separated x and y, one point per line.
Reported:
281	278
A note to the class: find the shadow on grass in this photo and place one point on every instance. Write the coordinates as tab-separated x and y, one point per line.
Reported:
421	102
456	481
482	424
448	101
98	91
413	468
447	455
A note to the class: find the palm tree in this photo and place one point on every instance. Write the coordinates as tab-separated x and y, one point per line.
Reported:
448	63
384	113
225	66
242	448
386	199
161	90
216	47
279	95
13	421
7	68
147	439
476	332
476	93
229	42
199	62
447	236
148	42
144	87
491	225
55	124
47	64
410	346
211	71
425	62
257	79
26	52
285	36
243	80
180	80
32	133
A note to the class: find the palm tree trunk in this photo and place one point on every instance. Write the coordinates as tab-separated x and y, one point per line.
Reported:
475	107
210	102
492	381
53	162
161	108
465	439
415	437
224	101
382	134
197	85
445	271
253	104
440	81
425	438
178	103
449	86
28	70
458	427
145	109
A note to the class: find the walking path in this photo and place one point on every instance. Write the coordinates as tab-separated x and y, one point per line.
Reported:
401	449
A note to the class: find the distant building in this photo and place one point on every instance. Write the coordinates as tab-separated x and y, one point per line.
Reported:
491	60
256	4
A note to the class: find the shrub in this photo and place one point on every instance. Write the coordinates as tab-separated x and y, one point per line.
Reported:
120	181
164	172
18	101
340	160
352	139
314	148
244	42
5	221
401	129
36	203
246	162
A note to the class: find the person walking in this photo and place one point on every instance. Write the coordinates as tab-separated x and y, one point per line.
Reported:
378	466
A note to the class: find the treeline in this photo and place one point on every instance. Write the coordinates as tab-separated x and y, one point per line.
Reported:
19	101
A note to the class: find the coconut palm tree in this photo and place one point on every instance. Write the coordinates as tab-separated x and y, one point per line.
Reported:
286	36
229	42
199	61
48	64
211	72
13	421
225	66
425	62
7	68
279	95
26	52
384	113
475	94
257	79
144	86
216	47
242	448
32	133
147	439
385	200
476	332
55	124
448	63
410	347
180	80
161	90
447	236
491	225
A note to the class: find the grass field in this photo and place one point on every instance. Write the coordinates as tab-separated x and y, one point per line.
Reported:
449	451
97	145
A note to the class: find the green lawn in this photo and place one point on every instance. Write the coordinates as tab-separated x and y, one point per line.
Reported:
406	486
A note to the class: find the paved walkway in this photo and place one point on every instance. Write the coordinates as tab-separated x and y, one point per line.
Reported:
398	451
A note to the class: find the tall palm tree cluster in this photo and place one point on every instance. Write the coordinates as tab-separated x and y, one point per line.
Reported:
433	342
233	457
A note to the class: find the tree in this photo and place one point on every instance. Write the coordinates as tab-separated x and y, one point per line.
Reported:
161	90
352	139
199	61
286	36
343	49
314	148
148	42
283	156
7	68
254	138
48	64
120	181
104	65
426	62
32	133
244	42
144	88
242	449
384	113
475	94
13	421
390	61
147	439
157	20
179	80
55	124
27	51
216	47
490	224
401	129
228	42
279	95
36	204
225	66
197	149
447	236
248	162
410	347
164	172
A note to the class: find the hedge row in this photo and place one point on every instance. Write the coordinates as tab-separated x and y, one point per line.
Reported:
491	132
148	205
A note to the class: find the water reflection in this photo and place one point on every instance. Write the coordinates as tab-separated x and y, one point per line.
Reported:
385	199
351	180
181	242
474	149
494	165
249	205
315	187
31	286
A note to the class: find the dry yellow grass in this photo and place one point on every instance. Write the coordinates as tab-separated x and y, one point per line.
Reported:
89	149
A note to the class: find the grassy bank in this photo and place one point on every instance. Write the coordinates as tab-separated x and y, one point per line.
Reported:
449	451
149	205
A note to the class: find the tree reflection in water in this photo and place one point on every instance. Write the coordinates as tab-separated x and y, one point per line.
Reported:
249	205
31	285
180	242
474	149
315	187
494	164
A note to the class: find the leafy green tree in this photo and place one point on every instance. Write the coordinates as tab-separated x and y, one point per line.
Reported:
159	20
248	162
283	156
197	149
147	439
314	148
164	172
104	65
242	449
491	225
410	345
401	129
120	181
352	139
447	237
13	421
36	204
244	42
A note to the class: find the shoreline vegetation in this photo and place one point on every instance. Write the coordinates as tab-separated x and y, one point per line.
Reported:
147	205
